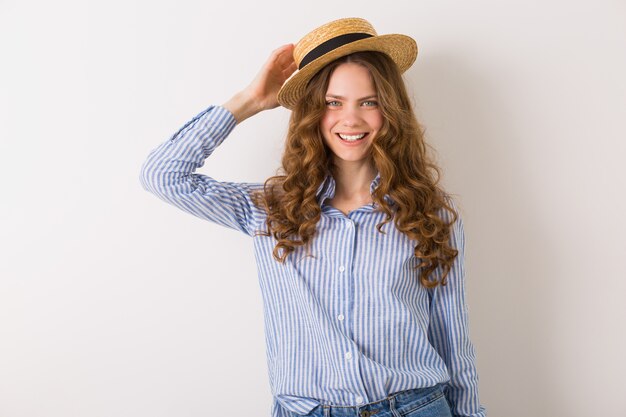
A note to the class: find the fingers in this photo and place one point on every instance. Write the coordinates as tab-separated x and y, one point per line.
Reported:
281	63
283	55
286	62
289	70
284	47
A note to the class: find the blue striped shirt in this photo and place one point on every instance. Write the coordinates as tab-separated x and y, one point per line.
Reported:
349	325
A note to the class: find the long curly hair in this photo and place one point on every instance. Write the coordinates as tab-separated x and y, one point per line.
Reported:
399	152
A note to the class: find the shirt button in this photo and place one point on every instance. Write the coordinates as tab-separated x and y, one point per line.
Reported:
359	399
341	268
348	355
340	317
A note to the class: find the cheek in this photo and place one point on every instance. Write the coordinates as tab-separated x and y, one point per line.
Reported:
326	126
327	122
376	121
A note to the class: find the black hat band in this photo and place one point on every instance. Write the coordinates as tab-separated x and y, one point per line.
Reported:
329	45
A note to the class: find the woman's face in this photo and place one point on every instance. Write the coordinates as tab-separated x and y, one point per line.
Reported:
351	108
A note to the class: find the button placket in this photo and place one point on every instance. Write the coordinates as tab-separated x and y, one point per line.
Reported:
342	263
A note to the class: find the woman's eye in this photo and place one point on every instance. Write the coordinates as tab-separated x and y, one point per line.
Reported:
373	103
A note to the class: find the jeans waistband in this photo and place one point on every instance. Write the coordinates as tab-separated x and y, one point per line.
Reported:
396	404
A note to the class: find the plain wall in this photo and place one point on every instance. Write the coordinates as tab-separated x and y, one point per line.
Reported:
113	303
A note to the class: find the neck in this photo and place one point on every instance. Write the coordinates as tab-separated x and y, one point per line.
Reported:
352	181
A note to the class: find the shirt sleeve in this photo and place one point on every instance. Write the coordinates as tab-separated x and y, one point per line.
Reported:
169	173
449	334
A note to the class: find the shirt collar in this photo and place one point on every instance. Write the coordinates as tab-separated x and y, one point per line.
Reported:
326	190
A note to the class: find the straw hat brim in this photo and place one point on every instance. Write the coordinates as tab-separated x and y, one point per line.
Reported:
401	48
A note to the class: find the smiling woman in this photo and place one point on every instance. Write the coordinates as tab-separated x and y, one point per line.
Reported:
389	168
359	321
348	126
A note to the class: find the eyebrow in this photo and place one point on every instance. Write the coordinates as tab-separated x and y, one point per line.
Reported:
343	98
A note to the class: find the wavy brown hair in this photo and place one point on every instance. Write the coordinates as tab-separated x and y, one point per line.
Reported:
399	152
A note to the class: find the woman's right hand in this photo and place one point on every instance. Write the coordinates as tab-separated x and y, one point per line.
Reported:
262	93
278	67
265	86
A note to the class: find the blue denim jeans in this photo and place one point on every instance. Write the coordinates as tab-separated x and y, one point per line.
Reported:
419	402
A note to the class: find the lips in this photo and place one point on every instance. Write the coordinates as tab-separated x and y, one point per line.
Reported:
352	134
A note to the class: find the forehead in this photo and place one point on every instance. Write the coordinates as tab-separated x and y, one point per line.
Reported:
350	78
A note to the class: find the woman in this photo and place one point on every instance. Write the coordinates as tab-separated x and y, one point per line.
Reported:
359	251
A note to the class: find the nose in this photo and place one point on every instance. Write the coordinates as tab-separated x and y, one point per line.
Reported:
351	117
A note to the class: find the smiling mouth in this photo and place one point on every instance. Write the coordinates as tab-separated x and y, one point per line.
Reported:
352	138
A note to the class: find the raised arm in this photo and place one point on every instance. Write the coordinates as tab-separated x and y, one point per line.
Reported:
169	171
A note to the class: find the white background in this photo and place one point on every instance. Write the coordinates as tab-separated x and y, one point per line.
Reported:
113	303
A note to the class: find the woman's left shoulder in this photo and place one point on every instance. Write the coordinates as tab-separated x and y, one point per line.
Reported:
453	205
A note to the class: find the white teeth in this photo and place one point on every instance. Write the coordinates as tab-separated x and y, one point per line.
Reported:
351	137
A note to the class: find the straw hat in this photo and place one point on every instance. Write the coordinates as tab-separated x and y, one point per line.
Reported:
338	38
